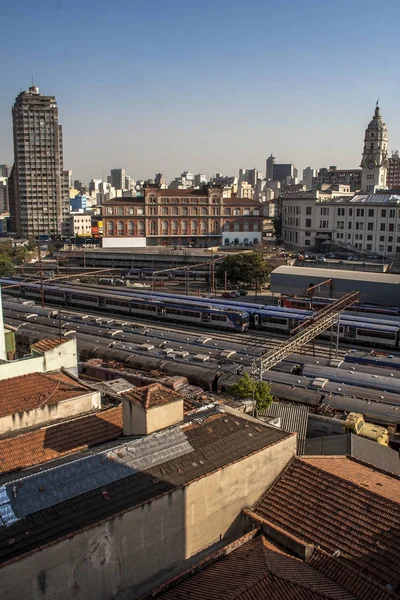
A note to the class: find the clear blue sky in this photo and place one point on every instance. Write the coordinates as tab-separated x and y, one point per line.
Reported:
207	86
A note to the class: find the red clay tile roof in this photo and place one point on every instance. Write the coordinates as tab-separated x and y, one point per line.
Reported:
256	570
48	344
234	200
337	514
172	193
354	581
152	395
367	477
49	443
27	392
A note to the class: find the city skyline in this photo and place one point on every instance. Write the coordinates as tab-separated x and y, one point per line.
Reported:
177	89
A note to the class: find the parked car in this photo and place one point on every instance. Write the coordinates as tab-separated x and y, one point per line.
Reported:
243	292
228	295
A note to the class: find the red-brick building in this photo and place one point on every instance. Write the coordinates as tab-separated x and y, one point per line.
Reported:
196	217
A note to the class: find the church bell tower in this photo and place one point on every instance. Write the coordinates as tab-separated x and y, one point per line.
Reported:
374	162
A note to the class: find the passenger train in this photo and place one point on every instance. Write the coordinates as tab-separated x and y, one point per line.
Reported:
149	274
318	303
233	319
211	313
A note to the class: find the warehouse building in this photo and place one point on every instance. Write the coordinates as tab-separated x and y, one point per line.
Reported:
375	288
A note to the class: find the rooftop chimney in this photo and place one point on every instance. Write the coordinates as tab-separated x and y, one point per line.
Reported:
150	408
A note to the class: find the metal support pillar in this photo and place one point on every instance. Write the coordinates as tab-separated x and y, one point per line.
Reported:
337	336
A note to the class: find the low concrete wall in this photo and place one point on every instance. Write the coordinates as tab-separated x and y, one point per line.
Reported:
24	366
50	412
123	242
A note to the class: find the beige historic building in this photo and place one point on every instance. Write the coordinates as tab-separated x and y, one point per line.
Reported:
190	217
365	222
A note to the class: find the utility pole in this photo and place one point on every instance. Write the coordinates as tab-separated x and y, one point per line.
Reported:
40	273
59	323
338	335
213	290
186	284
225	281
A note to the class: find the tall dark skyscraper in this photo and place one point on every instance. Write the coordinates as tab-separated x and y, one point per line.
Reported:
270	168
118	178
38	185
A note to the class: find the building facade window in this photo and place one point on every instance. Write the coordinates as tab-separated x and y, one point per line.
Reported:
110	227
131	228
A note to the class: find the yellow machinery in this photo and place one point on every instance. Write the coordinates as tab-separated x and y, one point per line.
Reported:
356	424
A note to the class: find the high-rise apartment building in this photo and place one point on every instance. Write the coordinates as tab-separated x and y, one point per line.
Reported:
308	174
393	173
118	179
38	184
3	194
5	170
335	176
250	176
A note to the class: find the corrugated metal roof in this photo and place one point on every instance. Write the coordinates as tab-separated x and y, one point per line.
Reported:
293	418
375	454
336	274
328	445
91	472
375	199
362	449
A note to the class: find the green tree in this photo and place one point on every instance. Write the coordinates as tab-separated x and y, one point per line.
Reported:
21	255
246	268
247	387
6	248
6	266
32	245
